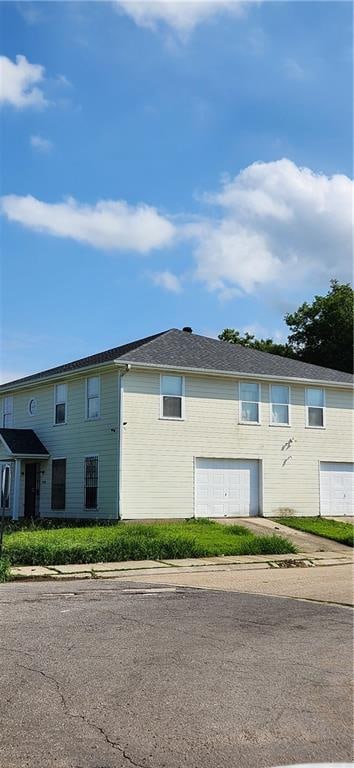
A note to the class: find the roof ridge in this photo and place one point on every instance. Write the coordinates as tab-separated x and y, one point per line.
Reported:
270	354
145	342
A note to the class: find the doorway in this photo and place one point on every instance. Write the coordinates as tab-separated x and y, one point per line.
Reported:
31	490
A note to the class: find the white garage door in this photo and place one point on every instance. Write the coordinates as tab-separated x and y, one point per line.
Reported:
226	488
337	488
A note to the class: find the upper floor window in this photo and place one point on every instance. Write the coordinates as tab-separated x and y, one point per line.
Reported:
91	482
279	405
172	397
7	411
32	406
249	402
60	403
58	483
315	403
93	397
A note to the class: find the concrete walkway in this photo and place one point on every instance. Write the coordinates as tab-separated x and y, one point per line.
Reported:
304	542
163	569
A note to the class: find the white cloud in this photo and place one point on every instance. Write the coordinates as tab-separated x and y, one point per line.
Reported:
30	12
63	80
294	70
275	227
41	144
109	225
167	280
19	83
182	16
278	225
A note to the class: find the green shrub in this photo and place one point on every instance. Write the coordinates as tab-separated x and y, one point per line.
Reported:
4	569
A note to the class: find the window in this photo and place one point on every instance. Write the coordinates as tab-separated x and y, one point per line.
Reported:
315	407
93	397
249	402
91	482
32	406
7	411
172	396
279	405
58	483
60	403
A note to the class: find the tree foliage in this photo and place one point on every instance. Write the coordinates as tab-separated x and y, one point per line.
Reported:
320	333
248	340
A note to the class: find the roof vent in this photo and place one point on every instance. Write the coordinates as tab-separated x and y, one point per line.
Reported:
187	329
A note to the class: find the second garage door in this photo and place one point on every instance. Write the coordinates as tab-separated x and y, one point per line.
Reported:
337	488
227	487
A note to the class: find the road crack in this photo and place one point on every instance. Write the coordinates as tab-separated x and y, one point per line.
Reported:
114	744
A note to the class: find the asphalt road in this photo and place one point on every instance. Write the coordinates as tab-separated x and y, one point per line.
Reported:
110	674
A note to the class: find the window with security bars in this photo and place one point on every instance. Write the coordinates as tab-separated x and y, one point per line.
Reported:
58	483
91	482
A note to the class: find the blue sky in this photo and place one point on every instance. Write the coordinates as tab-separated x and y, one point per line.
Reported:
167	165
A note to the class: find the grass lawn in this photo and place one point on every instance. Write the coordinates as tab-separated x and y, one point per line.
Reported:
330	529
90	544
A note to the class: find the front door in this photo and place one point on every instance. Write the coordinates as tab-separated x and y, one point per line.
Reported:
31	489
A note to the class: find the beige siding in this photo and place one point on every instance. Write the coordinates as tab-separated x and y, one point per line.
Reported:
159	454
74	440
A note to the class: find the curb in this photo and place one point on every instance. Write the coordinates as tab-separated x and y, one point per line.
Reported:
53	573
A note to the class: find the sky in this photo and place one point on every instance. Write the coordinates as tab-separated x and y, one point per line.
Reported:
168	164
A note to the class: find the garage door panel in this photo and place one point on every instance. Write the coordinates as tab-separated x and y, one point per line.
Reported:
336	488
226	487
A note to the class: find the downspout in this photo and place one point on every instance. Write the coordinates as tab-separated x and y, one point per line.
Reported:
120	436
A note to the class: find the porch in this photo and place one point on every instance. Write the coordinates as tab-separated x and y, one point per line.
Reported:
23	451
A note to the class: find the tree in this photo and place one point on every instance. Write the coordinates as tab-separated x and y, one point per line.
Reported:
264	345
320	333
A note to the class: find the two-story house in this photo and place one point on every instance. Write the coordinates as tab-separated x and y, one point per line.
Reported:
177	425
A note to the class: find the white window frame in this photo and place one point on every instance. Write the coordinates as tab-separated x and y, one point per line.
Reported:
92	456
307	406
32	399
60	423
87	417
280	423
6	413
182	396
240	420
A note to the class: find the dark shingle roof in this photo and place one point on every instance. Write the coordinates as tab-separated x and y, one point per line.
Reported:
23	441
187	350
180	349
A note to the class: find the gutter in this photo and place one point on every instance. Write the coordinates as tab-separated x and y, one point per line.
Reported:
237	374
121	374
18	384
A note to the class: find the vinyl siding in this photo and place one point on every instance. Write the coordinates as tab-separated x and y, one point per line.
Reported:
159	454
74	440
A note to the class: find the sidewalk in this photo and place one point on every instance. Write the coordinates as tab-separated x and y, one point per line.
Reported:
132	568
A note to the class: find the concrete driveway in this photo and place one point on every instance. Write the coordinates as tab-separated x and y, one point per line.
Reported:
111	674
304	542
